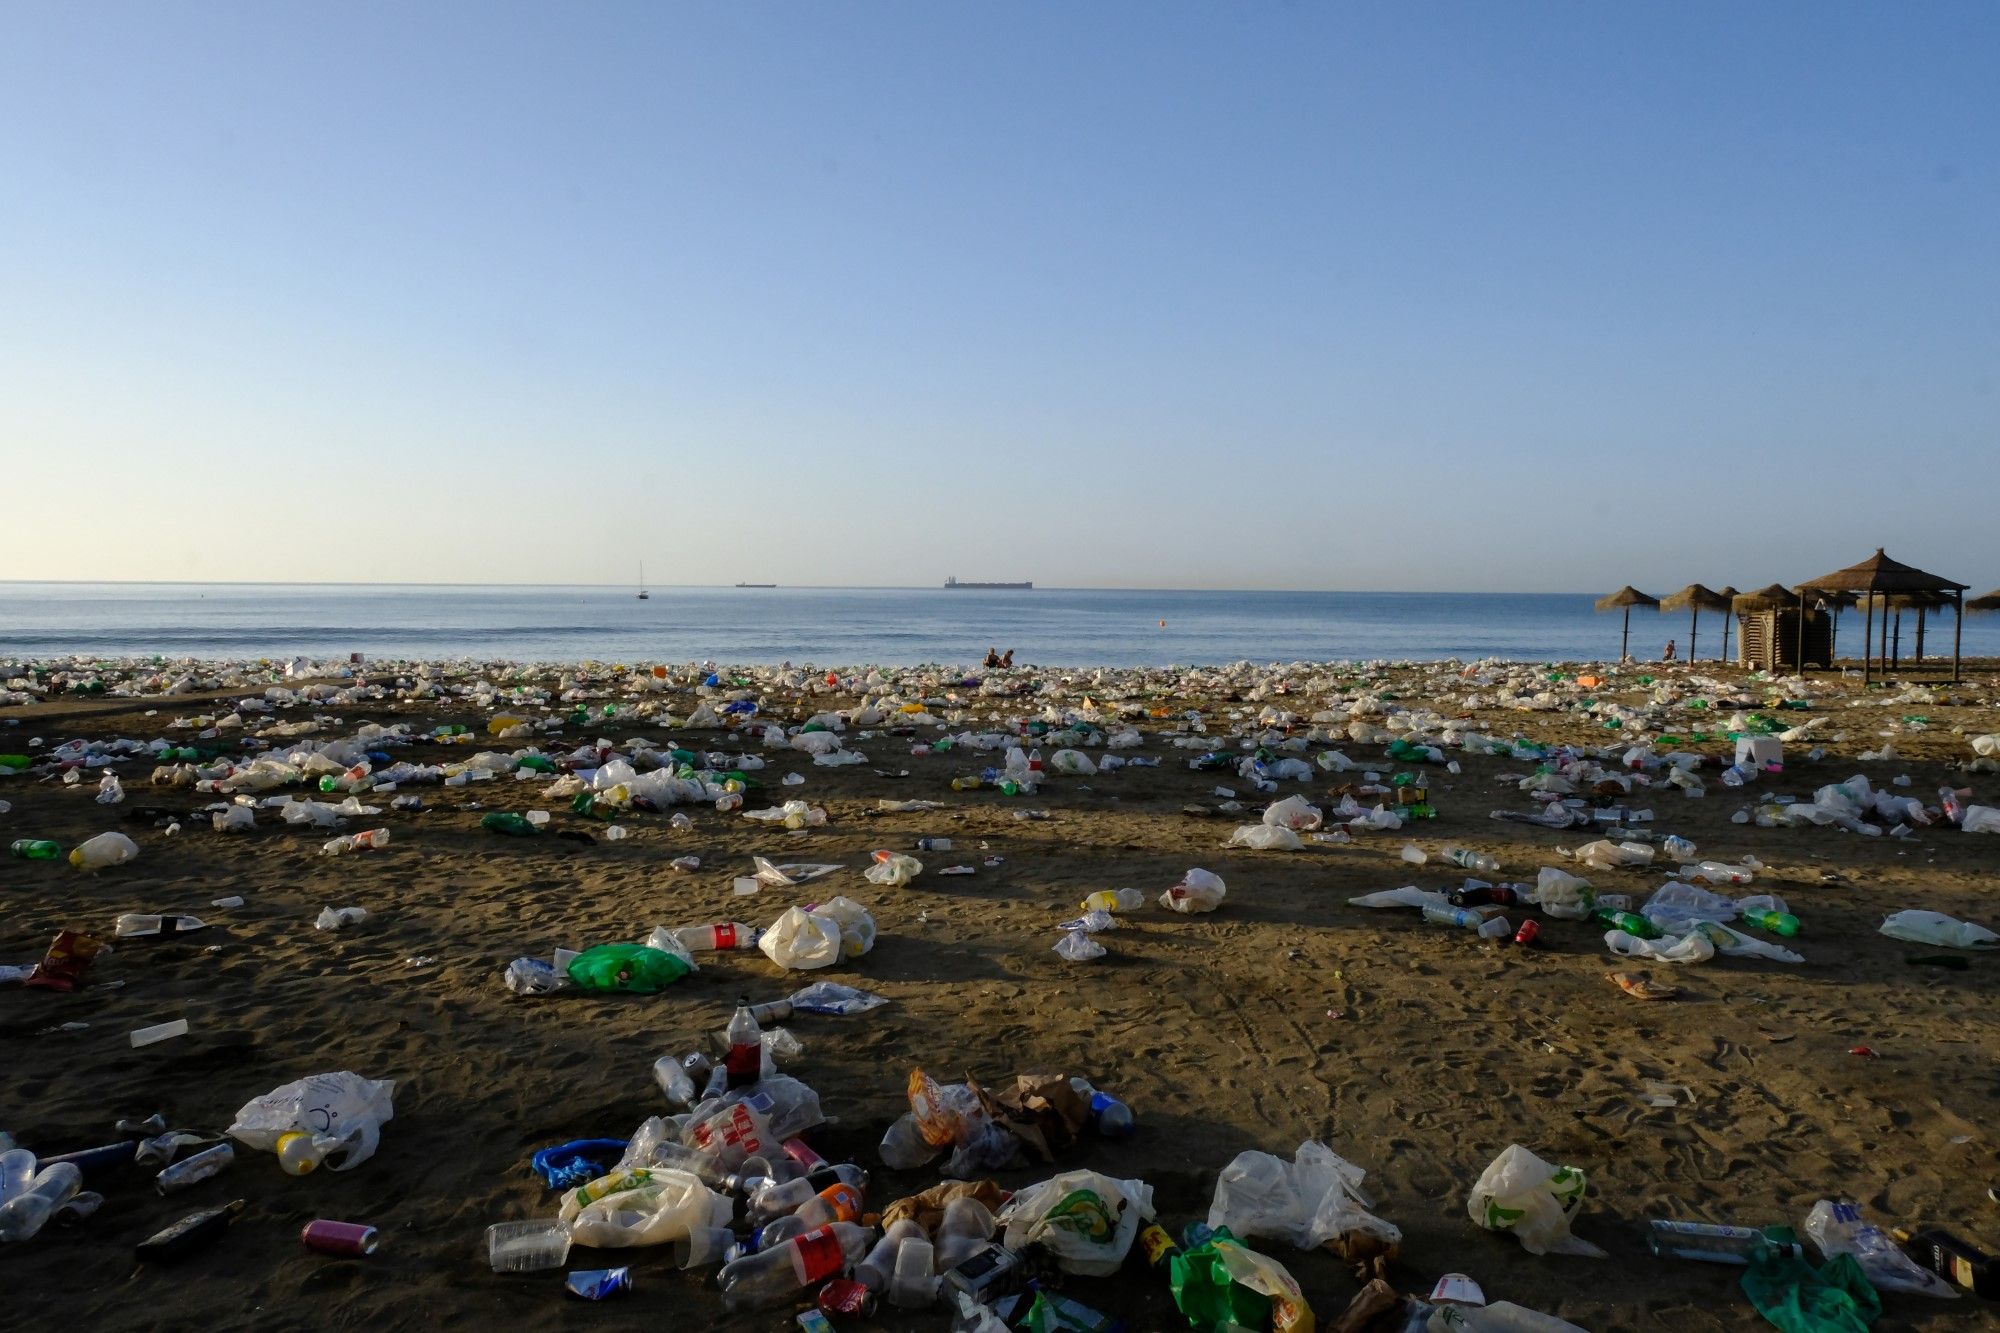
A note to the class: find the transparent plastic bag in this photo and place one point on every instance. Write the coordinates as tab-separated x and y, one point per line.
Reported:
1266	838
641	1206
1521	1193
802	940
893	869
1839	1228
343	1112
1307	1201
1077	946
1294	812
1564	896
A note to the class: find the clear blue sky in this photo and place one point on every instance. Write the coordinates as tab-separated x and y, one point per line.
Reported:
1457	296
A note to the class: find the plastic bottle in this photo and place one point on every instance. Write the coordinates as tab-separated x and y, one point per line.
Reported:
514	826
772	1276
1954	809
745	1058
1112	1117
1714	1244
719	935
838	1202
1717	872
1677	848
1778	923
29	1211
776	1200
35	849
147	924
1477	862
1115	900
106	849
1630	922
1491	928
1486	895
192	1170
17	1171
966	784
298	1155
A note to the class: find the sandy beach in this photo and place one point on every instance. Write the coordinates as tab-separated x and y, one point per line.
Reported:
1417	1052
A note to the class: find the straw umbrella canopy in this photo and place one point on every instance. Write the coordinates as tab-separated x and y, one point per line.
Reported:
1984	603
1880	574
1696	599
1728	596
1625	599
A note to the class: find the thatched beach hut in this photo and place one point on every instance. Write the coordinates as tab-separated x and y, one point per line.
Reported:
1879	574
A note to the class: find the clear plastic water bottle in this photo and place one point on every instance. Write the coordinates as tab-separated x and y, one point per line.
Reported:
1467	859
1112	1117
29	1211
1677	848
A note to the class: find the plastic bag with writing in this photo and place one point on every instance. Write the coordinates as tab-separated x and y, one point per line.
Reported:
1521	1193
344	1113
1085	1220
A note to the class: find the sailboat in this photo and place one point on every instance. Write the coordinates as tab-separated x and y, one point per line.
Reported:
643	594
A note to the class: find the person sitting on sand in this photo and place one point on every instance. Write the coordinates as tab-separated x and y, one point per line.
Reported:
1007	660
992	658
1668	655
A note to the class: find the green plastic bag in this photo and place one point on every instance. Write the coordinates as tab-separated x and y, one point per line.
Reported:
625	967
1208	1296
1796	1299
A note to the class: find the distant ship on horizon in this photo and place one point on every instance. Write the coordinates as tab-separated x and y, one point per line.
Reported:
756	585
952	582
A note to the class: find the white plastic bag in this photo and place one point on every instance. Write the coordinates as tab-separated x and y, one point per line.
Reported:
1521	1193
1087	1221
1307	1201
857	927
1199	891
802	940
1693	947
1294	812
641	1206
343	1112
1564	896
1072	761
1920	927
1407	896
1266	838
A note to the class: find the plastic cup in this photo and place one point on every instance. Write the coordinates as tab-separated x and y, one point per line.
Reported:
527	1247
703	1245
913	1287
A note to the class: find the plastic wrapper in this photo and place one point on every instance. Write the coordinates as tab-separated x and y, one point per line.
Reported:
1266	838
1839	1228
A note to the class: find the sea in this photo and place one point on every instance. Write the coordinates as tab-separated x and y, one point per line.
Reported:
842	626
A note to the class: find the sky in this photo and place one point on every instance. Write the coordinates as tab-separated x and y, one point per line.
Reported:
1421	296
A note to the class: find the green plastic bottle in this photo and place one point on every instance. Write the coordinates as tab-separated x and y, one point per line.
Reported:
626	967
36	849
535	763
590	806
516	826
1630	922
17	762
1778	923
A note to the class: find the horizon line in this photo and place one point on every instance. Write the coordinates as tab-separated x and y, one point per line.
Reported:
779	587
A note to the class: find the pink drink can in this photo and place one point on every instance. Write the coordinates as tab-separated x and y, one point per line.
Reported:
330	1237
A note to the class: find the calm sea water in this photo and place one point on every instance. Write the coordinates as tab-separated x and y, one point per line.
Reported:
834	626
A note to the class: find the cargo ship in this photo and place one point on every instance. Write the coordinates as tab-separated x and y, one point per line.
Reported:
953	582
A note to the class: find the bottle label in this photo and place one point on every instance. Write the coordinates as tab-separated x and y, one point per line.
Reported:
817	1254
725	936
843	1200
1157	1245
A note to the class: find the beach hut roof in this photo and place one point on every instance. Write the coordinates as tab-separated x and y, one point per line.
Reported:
1695	597
1625	596
1835	600
1766	598
1878	573
1987	601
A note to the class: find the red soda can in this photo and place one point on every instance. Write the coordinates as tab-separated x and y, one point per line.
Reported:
848	1297
1529	932
330	1237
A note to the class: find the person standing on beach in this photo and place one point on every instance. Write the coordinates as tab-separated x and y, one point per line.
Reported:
1668	655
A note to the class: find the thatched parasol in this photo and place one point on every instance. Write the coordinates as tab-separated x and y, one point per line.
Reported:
1879	574
1696	599
1626	598
1985	603
1728	595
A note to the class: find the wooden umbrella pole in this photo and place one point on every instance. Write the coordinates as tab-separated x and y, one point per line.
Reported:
1694	623
1957	620
1868	644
